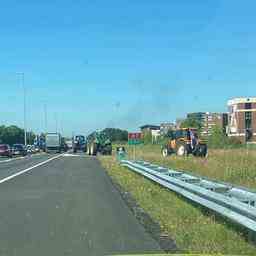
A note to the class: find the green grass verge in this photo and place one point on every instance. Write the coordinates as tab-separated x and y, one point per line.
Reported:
194	230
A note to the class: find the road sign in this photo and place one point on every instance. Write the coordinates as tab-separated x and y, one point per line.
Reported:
134	138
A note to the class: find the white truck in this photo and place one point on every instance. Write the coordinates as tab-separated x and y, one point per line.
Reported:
53	143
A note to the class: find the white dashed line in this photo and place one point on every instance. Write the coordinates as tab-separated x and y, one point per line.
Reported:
28	169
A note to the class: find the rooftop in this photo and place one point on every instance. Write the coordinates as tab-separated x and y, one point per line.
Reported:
150	126
242	100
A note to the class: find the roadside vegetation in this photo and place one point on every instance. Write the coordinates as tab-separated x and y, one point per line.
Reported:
194	229
235	165
13	134
228	160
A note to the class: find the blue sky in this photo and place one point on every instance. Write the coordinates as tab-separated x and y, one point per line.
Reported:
125	63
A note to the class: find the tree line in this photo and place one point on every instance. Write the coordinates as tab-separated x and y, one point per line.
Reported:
114	134
13	134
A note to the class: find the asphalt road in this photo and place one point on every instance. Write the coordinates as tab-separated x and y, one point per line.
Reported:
66	206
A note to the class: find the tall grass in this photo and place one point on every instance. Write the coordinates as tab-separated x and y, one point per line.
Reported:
194	229
237	166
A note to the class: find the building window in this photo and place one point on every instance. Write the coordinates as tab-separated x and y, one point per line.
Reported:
248	120
248	105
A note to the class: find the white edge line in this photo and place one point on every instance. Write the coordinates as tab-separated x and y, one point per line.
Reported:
28	169
12	159
19	158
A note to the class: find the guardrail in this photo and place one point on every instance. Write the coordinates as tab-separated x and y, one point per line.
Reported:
235	203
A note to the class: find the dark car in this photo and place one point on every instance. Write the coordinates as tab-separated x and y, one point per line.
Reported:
5	150
64	147
19	150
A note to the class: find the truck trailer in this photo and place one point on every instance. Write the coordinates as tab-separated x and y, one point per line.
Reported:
53	143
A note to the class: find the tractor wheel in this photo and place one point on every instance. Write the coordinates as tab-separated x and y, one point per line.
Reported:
181	149
108	150
203	150
165	152
93	150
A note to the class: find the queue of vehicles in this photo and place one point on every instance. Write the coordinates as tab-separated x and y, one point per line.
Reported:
93	144
17	150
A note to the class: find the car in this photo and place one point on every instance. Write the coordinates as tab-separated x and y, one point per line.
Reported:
19	150
5	150
29	149
64	147
36	149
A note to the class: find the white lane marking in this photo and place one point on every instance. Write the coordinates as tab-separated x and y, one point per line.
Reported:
87	156
5	161
66	154
21	157
28	169
12	159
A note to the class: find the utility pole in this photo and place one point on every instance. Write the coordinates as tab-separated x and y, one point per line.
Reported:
45	117
24	105
56	122
60	126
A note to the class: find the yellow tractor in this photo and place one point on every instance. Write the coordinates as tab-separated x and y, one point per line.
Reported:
183	142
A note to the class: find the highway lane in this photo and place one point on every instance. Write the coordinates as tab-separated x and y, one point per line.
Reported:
67	207
20	163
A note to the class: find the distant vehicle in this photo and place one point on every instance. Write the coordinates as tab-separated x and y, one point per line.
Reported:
64	146
5	150
53	143
29	149
32	149
36	149
79	143
99	142
39	143
69	144
19	150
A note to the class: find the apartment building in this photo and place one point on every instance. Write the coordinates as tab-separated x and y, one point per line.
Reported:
209	120
242	119
149	128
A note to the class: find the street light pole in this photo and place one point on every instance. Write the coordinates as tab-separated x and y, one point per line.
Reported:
45	117
24	105
56	122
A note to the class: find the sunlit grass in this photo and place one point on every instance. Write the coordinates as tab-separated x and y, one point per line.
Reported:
194	230
237	166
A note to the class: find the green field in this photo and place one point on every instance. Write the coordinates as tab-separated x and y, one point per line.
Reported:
194	229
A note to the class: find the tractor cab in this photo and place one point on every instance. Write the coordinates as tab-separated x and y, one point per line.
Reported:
185	133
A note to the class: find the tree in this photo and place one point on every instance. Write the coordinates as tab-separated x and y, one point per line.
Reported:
116	134
218	139
147	137
13	134
30	137
191	122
